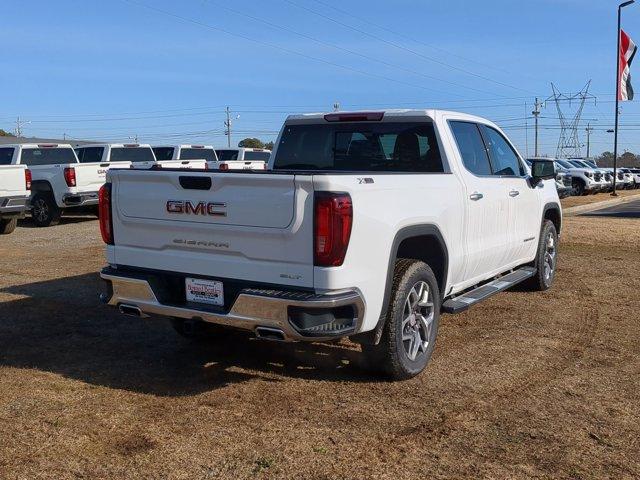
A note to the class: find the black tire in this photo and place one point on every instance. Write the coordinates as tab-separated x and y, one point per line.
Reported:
44	211
7	226
544	277
578	187
393	354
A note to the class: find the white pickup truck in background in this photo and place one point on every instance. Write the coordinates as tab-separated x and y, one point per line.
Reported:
15	190
134	155
59	181
241	158
185	156
366	225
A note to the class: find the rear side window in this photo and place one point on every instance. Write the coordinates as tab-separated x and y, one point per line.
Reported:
47	156
6	154
197	154
163	153
471	147
257	156
90	154
132	154
380	147
227	155
503	156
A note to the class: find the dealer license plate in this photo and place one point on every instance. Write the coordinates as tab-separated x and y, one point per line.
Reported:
199	290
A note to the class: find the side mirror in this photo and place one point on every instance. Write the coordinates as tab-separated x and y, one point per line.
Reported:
542	170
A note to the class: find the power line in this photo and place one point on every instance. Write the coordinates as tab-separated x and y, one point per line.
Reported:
347	50
413	39
282	49
402	47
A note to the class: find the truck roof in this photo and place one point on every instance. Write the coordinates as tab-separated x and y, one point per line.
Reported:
163	145
36	145
386	113
120	145
246	149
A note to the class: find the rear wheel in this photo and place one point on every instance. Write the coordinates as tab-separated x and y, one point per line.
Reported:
546	259
411	323
44	210
7	226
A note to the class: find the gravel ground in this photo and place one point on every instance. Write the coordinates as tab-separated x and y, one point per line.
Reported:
542	385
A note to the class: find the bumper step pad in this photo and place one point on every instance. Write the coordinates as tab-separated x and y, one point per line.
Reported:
462	302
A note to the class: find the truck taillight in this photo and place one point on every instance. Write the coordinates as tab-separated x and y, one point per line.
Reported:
224	166
104	212
333	217
27	179
70	176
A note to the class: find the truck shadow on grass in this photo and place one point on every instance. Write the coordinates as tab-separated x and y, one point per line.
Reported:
59	326
64	220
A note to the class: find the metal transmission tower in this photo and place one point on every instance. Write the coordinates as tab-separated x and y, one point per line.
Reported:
569	145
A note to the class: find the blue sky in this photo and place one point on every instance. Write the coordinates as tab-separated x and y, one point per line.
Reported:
165	70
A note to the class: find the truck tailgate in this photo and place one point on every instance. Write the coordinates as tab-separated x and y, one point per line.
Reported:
226	225
12	181
91	176
200	164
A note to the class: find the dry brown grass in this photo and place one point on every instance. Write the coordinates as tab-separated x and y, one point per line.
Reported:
525	385
599	197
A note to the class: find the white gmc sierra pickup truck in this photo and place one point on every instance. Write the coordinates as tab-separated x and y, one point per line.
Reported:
185	156
15	190
59	181
366	225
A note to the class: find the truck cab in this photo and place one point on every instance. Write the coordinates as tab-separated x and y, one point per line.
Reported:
185	156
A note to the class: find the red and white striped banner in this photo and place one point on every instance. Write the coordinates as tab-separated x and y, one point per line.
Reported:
627	52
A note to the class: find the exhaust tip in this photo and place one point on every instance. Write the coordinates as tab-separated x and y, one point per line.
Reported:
130	310
268	333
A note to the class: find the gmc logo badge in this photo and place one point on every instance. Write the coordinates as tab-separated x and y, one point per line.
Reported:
213	209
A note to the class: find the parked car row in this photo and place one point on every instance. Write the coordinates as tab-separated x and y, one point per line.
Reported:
583	177
47	179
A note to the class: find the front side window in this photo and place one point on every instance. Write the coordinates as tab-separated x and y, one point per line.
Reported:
132	154
163	153
198	154
503	157
381	147
6	154
47	156
227	155
471	147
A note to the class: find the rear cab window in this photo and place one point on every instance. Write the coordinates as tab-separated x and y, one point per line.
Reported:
227	155
90	154
198	154
410	147
163	153
132	154
256	156
6	155
47	156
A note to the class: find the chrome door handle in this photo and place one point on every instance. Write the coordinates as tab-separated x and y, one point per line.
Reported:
514	193
476	196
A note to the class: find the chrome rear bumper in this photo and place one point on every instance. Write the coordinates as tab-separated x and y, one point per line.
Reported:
253	308
80	199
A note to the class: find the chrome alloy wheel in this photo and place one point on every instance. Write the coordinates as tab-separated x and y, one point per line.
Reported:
549	256
41	210
418	319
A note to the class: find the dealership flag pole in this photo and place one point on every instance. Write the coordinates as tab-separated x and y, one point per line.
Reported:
622	76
